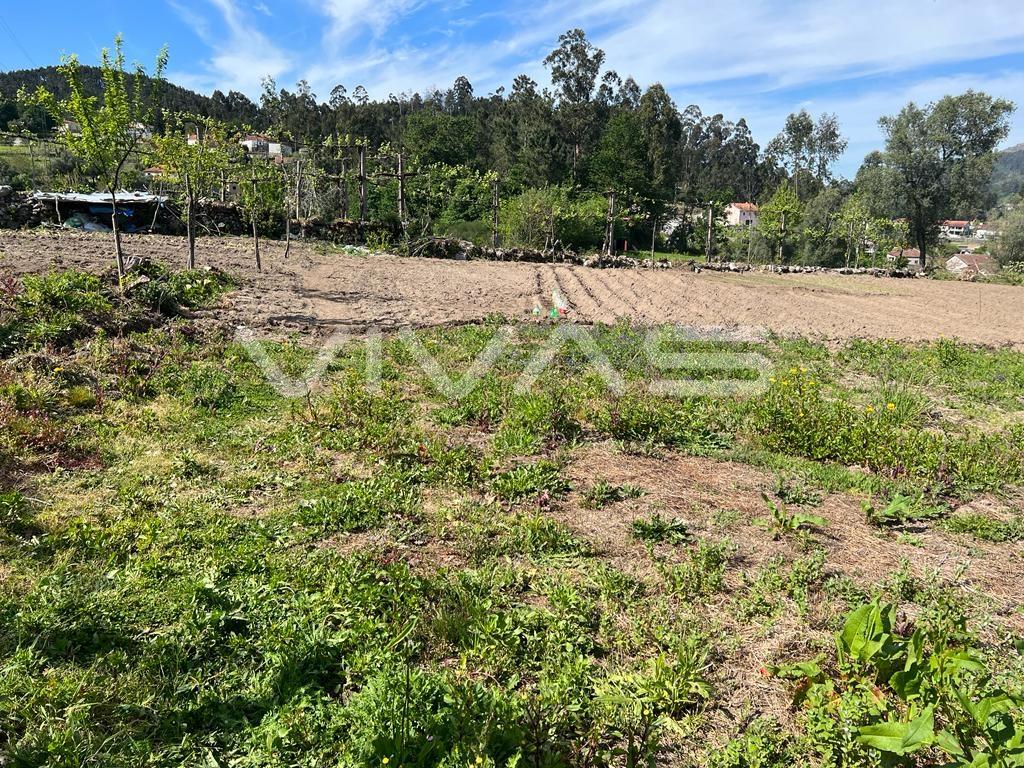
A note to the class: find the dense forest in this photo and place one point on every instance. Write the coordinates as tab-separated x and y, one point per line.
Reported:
559	152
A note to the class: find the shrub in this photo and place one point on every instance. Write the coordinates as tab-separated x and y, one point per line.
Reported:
893	694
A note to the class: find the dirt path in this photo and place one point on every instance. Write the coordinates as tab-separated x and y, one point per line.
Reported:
319	290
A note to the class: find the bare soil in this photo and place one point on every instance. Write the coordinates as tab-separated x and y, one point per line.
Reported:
696	490
321	290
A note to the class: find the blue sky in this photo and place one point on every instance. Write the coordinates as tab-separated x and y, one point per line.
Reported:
759	59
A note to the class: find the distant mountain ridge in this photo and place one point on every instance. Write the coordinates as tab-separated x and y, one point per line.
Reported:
233	107
1008	174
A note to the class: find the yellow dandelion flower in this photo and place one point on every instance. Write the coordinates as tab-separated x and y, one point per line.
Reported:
479	760
891	406
870	409
385	760
784	383
802	369
793	371
771	379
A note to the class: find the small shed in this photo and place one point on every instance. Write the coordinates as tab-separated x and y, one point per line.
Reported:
91	211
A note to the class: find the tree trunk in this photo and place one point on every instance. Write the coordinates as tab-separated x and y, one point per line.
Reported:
362	184
610	230
344	189
782	237
654	237
118	253
707	239
156	208
190	227
287	231
255	231
256	243
298	197
495	202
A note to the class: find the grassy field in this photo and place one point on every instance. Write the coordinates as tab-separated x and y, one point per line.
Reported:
197	570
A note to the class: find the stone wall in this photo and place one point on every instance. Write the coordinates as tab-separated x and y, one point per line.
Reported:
19	211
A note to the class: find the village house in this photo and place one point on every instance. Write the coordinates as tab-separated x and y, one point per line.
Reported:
142	131
741	215
912	256
955	228
983	232
967	264
256	144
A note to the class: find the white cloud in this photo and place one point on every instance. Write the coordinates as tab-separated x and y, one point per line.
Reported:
240	60
760	59
686	43
350	16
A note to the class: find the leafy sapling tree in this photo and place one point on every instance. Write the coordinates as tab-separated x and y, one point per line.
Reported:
112	127
262	197
194	152
781	217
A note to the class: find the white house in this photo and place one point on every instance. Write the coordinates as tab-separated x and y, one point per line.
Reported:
741	215
955	228
277	149
256	144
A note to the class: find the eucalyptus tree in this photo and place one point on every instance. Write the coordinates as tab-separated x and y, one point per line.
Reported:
575	65
808	148
110	127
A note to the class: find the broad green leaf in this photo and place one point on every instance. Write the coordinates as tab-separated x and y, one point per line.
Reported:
900	738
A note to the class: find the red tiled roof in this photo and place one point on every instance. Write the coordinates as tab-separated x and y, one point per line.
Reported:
909	253
977	261
746	207
955	223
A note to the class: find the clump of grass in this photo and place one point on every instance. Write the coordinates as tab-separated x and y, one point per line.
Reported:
986	528
796	490
702	574
529	481
900	509
658	529
602	493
